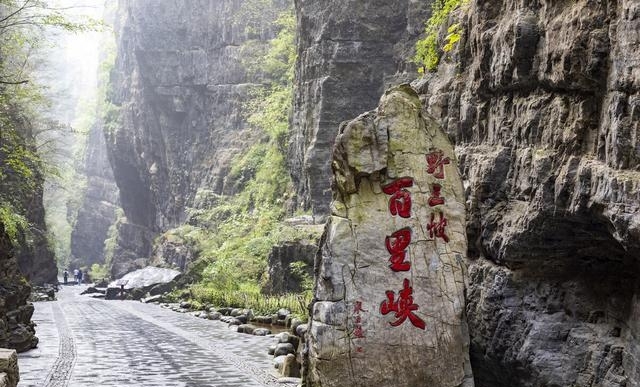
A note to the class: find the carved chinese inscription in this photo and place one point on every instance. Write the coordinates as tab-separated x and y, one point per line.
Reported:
400	202
388	297
403	306
397	244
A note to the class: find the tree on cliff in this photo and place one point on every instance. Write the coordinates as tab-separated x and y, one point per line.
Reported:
23	24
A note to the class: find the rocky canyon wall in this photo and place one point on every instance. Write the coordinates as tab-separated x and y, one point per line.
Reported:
16	328
97	212
348	51
179	85
542	100
35	257
389	275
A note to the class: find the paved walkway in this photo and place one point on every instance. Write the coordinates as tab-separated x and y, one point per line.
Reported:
86	342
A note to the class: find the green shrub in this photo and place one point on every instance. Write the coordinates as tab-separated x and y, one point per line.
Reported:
251	299
14	223
98	272
427	51
233	234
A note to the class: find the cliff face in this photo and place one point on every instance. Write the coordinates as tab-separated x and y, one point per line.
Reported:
16	329
348	51
543	101
35	258
99	204
179	87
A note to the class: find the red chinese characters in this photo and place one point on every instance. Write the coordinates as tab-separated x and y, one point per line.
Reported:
358	332
403	307
435	198
400	201
437	229
436	162
396	245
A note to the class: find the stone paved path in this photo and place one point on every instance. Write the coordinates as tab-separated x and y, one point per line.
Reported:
86	342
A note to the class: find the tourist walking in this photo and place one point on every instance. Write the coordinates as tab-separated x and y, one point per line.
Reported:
65	275
75	275
80	277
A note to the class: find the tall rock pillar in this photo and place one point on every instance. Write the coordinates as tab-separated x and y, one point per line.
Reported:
389	293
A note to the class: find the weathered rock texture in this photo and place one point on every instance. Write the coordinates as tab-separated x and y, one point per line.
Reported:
9	375
543	101
174	251
99	204
348	51
180	85
16	328
400	323
282	278
35	257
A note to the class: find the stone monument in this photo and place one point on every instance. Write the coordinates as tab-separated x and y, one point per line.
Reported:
390	274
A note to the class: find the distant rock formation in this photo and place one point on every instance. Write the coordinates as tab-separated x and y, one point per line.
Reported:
389	294
97	212
179	86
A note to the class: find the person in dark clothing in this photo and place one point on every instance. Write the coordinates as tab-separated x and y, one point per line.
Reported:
65	275
80	275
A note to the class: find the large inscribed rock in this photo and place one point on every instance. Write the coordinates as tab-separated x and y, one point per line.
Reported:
389	294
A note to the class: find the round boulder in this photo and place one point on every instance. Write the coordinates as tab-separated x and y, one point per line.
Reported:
284	349
290	367
261	332
246	328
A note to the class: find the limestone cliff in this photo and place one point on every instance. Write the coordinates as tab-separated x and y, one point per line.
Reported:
348	51
179	88
16	329
97	212
543	101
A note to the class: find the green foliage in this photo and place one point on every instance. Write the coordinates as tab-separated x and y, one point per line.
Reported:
251	299
20	165
111	118
427	51
13	222
233	234
299	270
112	238
22	27
28	137
98	272
453	36
256	15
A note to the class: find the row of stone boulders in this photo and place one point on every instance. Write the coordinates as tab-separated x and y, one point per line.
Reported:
286	350
9	375
46	292
242	320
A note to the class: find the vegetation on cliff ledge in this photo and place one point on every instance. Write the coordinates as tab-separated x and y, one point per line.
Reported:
428	52
29	134
233	234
